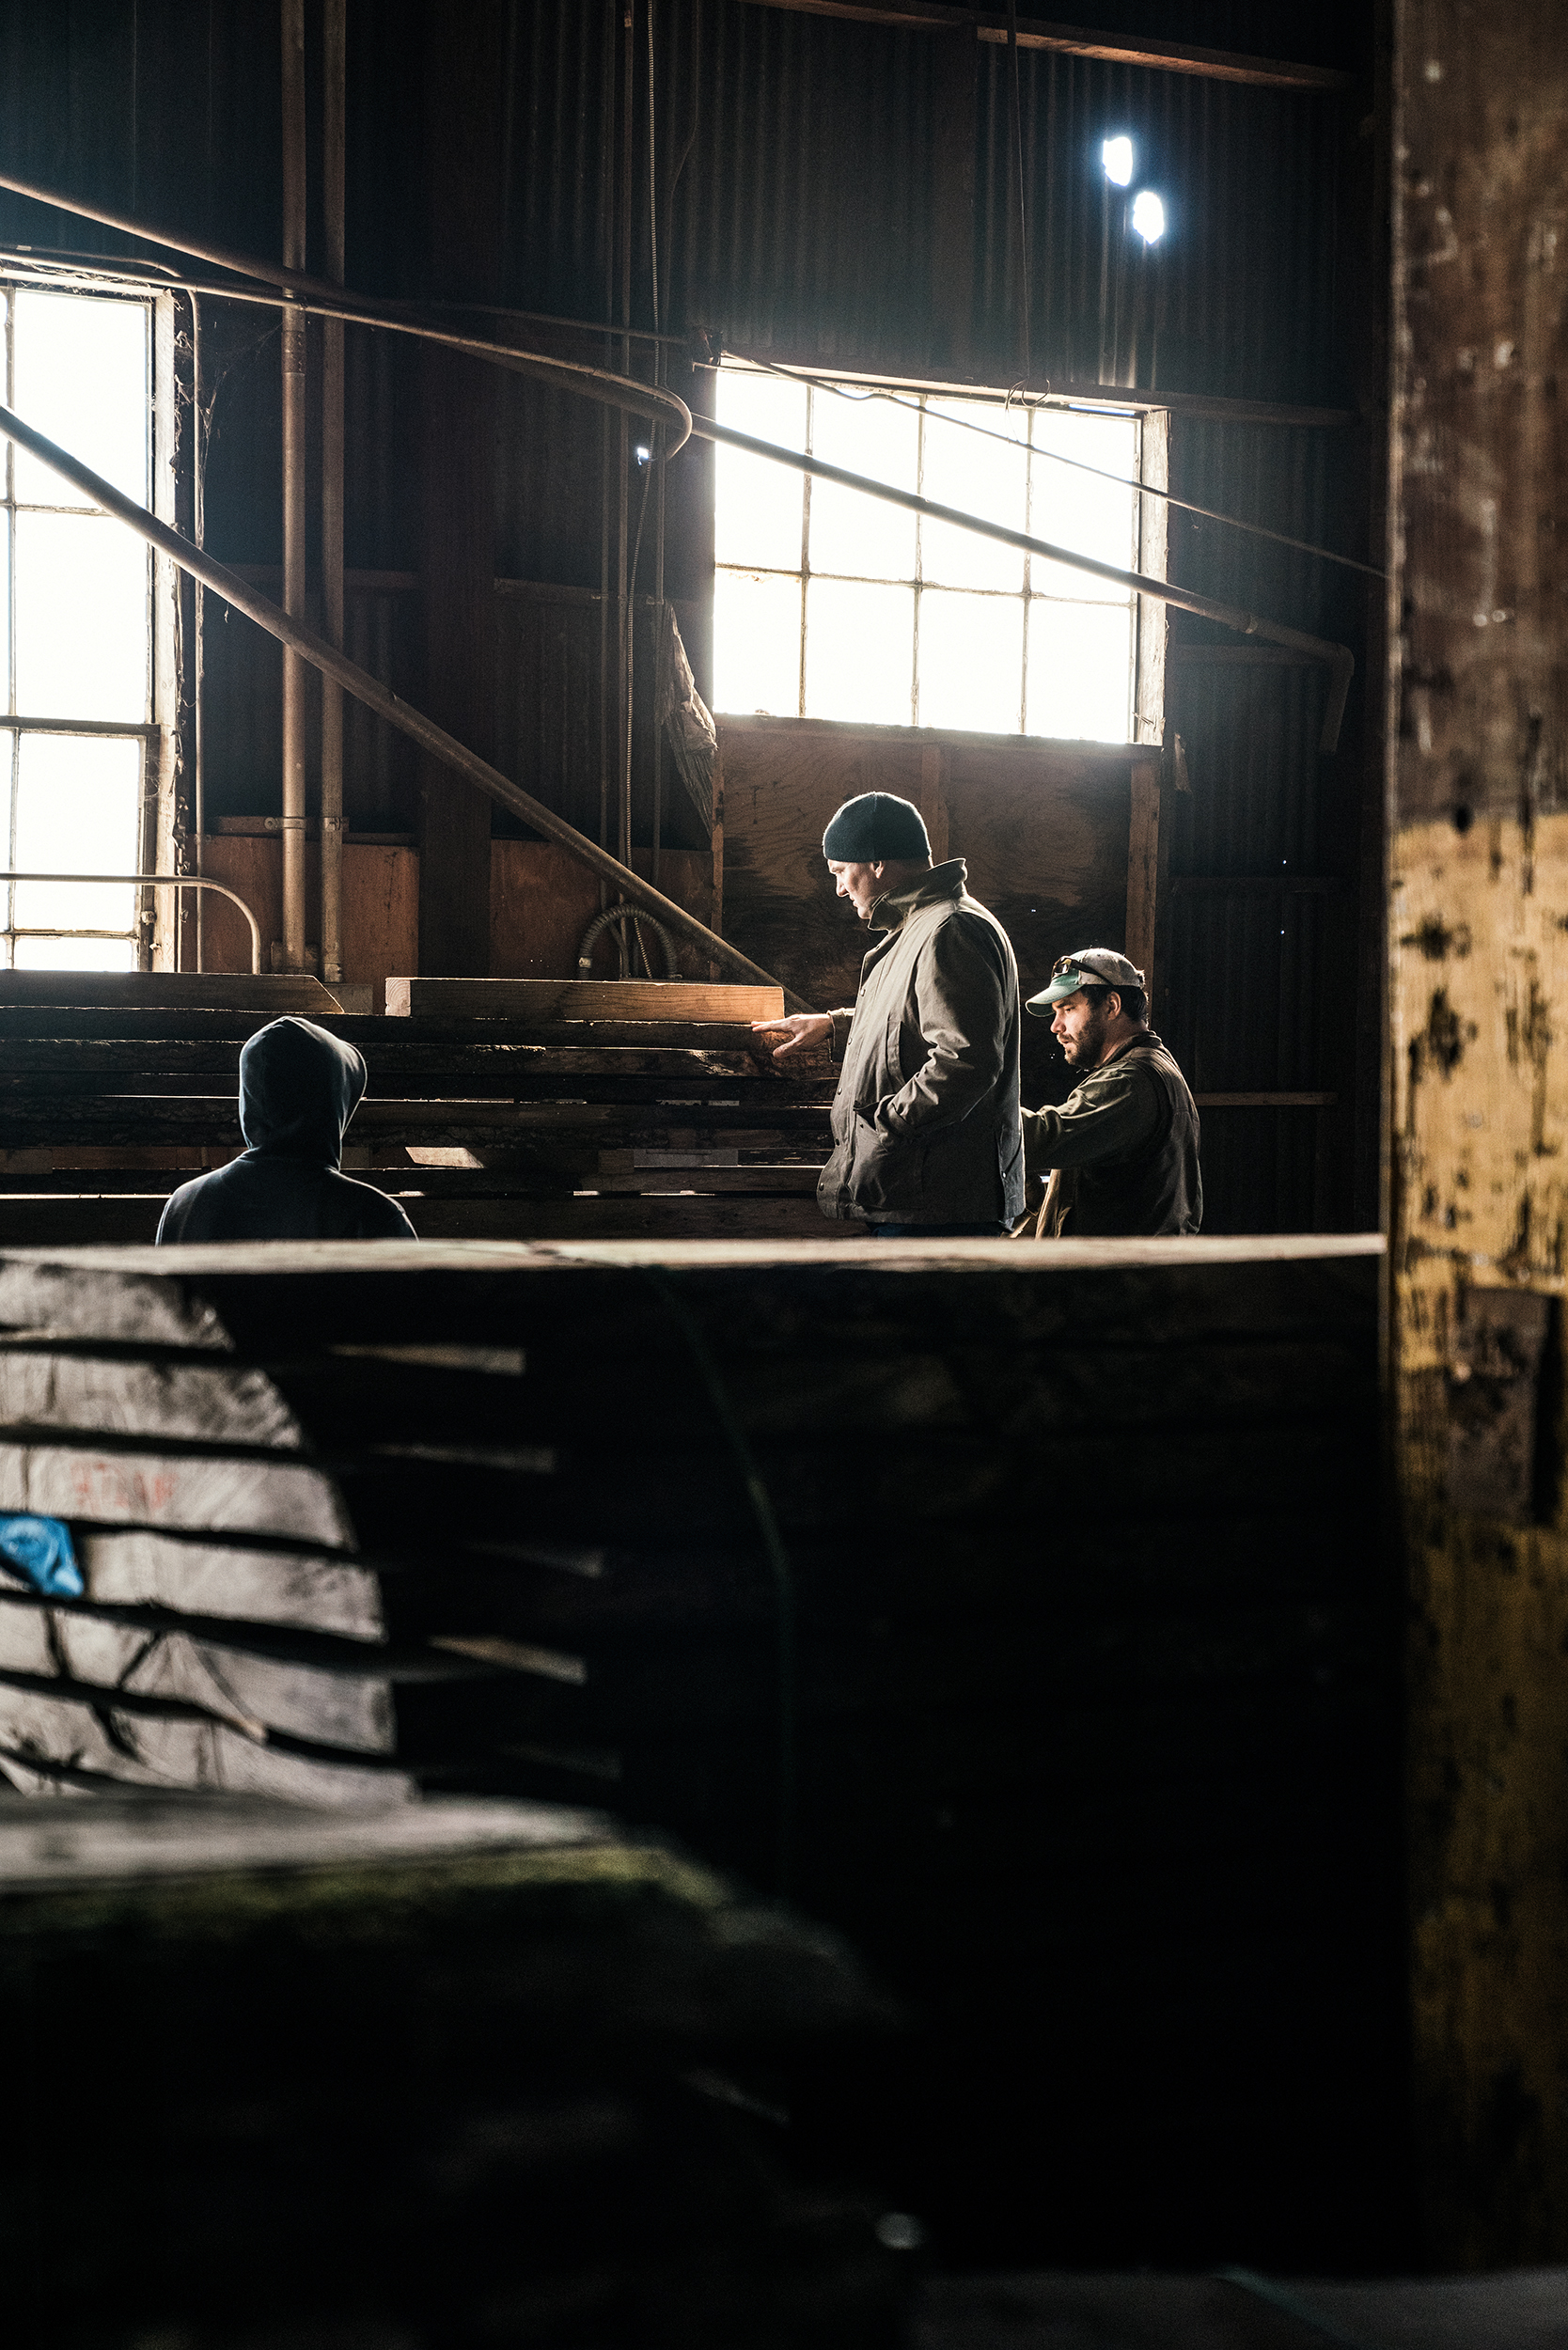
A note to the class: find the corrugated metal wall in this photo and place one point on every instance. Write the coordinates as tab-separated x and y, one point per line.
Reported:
1235	300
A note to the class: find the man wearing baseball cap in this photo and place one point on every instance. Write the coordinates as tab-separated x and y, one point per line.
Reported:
925	1120
1122	1151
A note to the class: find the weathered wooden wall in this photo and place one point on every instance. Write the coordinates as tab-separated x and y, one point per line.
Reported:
1479	958
1043	827
380	906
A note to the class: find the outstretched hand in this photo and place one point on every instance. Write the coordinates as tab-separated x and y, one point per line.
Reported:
799	1030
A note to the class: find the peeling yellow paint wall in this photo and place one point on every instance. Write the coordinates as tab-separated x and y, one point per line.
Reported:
1480	956
1478	1034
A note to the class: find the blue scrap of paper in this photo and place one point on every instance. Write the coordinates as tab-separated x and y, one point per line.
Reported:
40	1549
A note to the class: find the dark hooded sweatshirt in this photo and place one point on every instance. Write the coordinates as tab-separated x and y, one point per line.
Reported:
299	1086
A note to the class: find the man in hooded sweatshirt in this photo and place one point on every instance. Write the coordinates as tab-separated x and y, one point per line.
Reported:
299	1086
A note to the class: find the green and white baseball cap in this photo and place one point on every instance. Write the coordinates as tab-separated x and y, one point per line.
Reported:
1091	966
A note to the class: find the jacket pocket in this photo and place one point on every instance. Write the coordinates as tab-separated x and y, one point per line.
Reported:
886	1171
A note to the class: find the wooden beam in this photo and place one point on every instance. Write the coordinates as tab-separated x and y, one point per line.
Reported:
1143	865
933	798
1161	56
1476	1110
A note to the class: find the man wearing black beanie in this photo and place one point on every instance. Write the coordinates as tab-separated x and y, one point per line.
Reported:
927	1137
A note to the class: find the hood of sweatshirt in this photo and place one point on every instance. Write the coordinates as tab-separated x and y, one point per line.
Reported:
299	1086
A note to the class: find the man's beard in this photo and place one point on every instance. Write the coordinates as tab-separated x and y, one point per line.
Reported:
1091	1042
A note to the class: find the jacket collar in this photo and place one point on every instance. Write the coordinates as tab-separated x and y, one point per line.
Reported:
943	881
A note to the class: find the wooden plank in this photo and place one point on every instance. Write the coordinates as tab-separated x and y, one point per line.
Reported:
661	1217
215	1402
1143	865
582	999
149	1488
756	1122
933	799
1265	1101
271	994
137	1568
229	1032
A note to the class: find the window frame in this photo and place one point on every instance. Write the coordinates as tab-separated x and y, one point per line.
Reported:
150	932
1147	553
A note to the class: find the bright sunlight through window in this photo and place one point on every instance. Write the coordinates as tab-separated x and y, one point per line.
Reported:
75	628
831	604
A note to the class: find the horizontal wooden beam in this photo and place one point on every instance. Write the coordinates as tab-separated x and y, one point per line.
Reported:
1161	56
1259	885
1265	1101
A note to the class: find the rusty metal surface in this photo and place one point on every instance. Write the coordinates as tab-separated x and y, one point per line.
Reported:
1478	981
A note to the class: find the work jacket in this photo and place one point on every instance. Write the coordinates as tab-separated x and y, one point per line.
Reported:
1122	1150
925	1120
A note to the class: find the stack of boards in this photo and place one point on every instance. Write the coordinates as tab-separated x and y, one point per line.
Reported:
1021	1611
463	2073
497	1109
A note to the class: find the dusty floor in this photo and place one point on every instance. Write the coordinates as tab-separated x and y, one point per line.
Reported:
1526	2309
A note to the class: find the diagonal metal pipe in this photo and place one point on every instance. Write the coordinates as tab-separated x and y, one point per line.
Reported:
322	298
295	638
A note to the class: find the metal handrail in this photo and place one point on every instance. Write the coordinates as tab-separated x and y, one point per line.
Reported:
154	881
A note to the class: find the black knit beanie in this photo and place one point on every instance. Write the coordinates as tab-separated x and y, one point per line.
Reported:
876	827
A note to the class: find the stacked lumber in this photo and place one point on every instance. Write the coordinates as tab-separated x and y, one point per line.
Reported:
555	1115
473	2073
1023	1610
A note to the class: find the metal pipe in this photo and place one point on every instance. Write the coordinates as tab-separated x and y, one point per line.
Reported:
294	423
1339	658
334	104
159	881
198	525
317	297
379	698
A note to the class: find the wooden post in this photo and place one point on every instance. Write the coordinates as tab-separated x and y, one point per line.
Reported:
715	920
1479	1060
1143	865
293	360
933	798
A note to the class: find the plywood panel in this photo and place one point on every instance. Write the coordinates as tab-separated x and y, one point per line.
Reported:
542	899
581	999
380	906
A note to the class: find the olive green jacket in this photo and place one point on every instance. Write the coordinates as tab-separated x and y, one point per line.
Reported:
1122	1151
925	1120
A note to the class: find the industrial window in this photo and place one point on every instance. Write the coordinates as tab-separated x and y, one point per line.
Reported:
831	604
76	608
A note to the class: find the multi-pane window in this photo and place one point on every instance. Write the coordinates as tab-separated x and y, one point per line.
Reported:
75	632
832	604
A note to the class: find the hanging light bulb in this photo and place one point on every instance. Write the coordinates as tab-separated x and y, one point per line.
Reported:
1148	215
1117	156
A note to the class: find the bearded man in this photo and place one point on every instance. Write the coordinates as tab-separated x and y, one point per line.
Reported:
1122	1151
